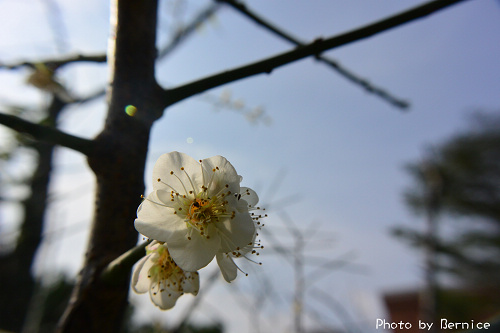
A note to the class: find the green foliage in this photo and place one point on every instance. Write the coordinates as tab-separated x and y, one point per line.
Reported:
469	167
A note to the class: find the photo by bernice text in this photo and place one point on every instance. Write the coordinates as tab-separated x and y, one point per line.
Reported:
444	324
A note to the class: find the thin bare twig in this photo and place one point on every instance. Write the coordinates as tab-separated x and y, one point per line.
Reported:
179	37
344	262
188	29
334	64
174	95
56	63
337	308
47	134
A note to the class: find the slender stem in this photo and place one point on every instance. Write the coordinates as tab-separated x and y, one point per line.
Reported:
47	134
174	95
120	267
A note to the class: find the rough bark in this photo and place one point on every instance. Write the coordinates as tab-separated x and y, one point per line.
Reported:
118	161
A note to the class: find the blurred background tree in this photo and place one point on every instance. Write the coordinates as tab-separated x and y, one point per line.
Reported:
459	181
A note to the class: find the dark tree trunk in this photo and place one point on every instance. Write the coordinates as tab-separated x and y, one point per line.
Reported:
118	162
16	281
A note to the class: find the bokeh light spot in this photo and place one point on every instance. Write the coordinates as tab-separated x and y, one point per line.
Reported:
130	110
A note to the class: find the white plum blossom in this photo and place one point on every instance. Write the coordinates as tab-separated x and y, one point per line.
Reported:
199	210
159	275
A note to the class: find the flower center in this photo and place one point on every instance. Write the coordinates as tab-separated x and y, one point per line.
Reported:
165	267
199	211
205	210
165	273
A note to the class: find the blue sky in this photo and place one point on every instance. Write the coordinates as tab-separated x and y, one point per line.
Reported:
337	150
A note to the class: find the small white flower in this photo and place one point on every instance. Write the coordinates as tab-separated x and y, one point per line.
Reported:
158	274
198	209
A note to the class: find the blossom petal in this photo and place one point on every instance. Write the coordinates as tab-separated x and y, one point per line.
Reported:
157	221
168	175
249	195
153	246
167	199
191	283
227	266
194	254
140	279
224	174
237	233
162	296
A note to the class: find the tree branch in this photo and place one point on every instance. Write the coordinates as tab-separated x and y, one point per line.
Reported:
243	9
56	63
183	33
174	95
47	134
99	58
121	266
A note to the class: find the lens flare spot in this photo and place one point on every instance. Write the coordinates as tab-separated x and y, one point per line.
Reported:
190	140
130	110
